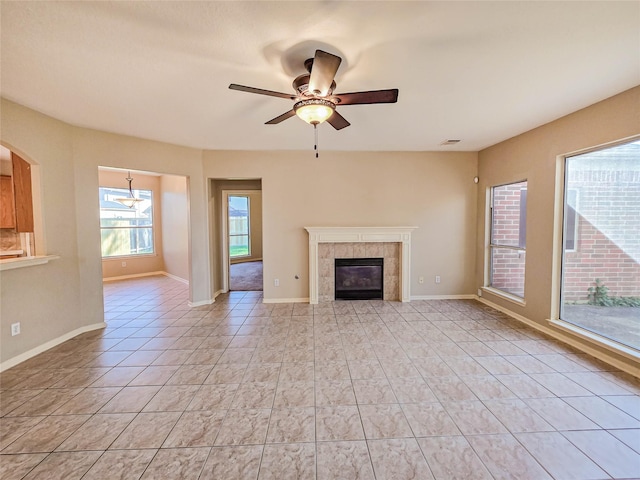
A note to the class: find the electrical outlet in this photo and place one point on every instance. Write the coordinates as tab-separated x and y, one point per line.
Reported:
276	282
437	278
15	329
124	264
421	280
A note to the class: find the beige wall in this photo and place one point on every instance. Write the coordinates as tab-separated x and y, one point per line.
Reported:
112	267
533	156
175	225
65	295
433	191
54	299
93	148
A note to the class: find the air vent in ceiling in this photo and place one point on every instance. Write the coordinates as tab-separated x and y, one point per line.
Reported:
450	142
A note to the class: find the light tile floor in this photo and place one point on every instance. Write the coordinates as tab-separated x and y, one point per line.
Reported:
347	390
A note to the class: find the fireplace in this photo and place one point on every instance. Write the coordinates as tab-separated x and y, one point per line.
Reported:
359	278
328	243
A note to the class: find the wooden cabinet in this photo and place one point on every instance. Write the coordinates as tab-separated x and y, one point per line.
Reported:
7	203
22	194
16	204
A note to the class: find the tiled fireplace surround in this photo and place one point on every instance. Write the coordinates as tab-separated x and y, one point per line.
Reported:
328	243
328	252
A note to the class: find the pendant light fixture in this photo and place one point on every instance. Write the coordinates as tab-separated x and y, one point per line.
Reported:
132	200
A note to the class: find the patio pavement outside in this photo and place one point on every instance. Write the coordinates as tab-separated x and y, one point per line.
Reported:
621	324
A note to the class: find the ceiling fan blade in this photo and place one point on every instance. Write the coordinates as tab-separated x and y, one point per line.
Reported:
325	66
261	91
281	118
373	96
337	121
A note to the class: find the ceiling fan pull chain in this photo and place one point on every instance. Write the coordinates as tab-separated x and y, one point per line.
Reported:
315	131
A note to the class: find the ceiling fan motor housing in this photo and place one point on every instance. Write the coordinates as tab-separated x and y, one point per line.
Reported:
301	86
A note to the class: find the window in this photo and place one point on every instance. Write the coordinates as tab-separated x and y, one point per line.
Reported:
508	237
126	231
601	244
239	244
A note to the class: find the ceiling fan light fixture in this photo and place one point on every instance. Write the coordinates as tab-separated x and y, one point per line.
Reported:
314	110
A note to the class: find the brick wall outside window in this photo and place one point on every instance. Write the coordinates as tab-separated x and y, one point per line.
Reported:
608	234
508	229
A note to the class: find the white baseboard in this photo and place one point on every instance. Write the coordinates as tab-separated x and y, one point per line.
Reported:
135	275
285	300
201	303
444	297
568	339
175	277
417	297
147	274
48	345
207	302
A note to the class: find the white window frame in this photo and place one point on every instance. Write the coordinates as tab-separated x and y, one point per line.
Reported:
490	246
125	193
557	261
575	224
248	234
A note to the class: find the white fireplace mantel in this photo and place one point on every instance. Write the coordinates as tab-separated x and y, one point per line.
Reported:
400	235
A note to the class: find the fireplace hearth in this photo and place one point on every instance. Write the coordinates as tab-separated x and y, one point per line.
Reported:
359	278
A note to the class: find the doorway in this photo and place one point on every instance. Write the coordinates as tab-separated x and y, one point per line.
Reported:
242	239
152	236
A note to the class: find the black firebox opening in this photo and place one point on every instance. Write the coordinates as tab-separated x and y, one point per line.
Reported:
359	278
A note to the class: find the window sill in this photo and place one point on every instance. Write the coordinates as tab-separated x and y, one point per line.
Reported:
23	262
129	257
599	340
507	296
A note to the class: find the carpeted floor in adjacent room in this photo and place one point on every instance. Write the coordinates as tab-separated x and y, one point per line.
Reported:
246	276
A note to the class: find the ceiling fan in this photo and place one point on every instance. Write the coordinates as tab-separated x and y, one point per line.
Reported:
314	99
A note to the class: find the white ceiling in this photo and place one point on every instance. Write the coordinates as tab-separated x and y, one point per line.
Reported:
477	71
